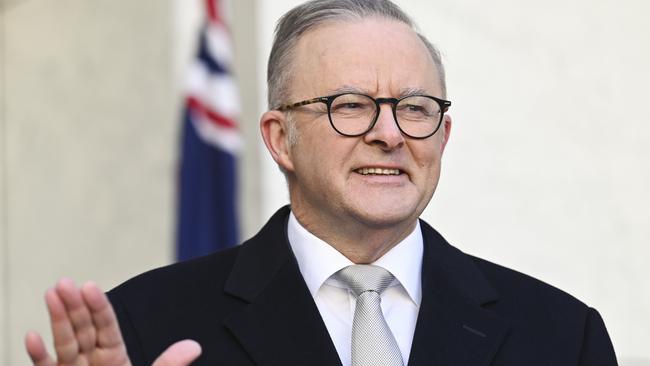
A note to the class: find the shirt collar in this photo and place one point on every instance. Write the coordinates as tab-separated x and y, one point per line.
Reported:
318	260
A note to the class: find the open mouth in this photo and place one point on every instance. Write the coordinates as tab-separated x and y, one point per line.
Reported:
378	171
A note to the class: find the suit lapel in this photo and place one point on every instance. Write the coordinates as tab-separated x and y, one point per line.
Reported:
281	324
452	327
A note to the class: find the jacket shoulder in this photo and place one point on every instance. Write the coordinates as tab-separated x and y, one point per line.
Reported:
545	319
179	278
179	301
514	285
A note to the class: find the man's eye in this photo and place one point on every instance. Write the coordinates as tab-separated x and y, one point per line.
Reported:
415	108
411	108
348	106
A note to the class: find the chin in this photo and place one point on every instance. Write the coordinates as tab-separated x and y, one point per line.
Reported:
384	216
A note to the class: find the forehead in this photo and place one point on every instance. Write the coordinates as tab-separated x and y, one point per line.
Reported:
378	56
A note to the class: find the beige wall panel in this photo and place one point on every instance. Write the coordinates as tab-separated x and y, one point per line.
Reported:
244	31
4	260
91	123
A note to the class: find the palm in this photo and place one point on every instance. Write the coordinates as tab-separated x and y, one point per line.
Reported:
86	332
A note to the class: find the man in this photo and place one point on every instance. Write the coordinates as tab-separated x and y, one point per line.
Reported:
357	123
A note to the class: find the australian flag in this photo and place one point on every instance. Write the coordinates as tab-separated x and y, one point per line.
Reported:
207	196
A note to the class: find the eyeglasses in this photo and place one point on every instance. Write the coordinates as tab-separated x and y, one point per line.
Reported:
353	114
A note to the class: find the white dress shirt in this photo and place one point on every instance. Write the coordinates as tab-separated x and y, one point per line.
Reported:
400	302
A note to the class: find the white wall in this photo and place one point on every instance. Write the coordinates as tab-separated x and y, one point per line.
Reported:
547	167
553	182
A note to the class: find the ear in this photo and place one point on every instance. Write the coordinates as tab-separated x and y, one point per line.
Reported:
446	129
274	128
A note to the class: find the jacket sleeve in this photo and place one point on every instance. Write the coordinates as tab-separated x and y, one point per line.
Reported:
129	334
597	348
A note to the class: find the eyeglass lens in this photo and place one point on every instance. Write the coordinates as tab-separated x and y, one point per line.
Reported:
352	114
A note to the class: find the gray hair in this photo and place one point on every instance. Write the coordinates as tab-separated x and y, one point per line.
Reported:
317	12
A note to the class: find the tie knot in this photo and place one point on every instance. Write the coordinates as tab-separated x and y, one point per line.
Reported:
364	277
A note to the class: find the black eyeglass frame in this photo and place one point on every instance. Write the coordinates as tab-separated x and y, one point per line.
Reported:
444	107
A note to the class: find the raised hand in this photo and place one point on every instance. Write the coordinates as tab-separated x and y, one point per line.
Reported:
86	332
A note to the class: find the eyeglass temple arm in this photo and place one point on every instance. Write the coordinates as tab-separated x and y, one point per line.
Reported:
300	104
445	105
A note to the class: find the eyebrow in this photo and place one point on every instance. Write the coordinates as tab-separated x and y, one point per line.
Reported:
404	92
348	89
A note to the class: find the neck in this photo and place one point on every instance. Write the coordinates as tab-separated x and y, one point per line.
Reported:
360	242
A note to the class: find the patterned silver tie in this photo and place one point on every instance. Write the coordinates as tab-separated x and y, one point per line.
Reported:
373	343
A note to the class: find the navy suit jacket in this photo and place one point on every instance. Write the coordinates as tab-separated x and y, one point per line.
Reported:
249	305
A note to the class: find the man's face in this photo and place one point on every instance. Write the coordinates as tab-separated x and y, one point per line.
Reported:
380	58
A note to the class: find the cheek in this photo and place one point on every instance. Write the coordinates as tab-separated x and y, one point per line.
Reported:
428	162
320	153
324	144
306	146
427	156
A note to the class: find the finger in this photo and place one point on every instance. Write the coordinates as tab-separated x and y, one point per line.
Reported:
179	354
103	316
65	341
78	313
36	350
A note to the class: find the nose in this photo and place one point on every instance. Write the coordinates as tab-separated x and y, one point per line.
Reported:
385	133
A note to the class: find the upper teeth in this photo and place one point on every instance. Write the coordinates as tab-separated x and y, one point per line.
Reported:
365	171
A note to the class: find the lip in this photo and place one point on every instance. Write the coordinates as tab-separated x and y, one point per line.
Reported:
381	166
384	178
381	181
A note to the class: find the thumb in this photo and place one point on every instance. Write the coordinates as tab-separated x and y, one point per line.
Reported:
181	353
